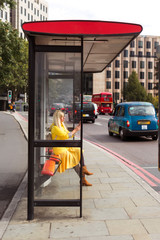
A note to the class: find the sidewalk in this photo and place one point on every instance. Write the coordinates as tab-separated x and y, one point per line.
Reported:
119	206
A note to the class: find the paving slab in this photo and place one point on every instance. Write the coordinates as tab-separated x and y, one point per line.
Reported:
28	231
78	229
125	227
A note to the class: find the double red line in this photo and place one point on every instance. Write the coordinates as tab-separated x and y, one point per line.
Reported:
137	169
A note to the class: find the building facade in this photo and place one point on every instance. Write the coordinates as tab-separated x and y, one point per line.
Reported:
139	56
25	11
5	13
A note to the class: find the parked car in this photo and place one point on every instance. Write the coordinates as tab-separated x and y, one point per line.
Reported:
56	106
134	119
88	112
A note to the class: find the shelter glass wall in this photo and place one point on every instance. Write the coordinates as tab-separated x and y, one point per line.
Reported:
57	87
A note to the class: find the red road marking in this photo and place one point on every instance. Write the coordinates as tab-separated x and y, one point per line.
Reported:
131	165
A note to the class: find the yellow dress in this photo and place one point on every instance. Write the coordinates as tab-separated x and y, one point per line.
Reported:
70	156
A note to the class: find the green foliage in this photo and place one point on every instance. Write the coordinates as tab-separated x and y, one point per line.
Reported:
134	91
11	3
13	60
156	102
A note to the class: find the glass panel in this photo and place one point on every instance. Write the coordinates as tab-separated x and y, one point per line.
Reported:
59	186
58	87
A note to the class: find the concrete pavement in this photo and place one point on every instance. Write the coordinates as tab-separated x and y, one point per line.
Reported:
119	205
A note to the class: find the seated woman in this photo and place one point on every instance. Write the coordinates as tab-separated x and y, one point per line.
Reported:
70	156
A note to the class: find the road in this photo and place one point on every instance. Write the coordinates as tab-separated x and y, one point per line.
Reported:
13	149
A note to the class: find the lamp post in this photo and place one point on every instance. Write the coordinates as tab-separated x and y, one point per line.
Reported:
158	56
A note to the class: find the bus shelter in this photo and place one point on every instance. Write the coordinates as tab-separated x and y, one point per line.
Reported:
60	52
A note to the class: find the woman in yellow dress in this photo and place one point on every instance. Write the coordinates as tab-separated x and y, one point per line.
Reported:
70	156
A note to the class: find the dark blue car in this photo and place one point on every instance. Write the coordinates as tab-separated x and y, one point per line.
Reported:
134	119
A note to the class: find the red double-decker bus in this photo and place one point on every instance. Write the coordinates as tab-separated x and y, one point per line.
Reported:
104	101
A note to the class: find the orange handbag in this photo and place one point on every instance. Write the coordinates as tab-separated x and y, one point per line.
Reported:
49	165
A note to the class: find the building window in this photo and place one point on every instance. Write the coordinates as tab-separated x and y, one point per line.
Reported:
149	75
28	4
156	44
142	83
141	75
117	63
116	96
37	13
140	44
149	86
133	64
125	53
41	17
141	64
46	10
125	74
31	18
150	65
131	53
34	11
21	10
28	16
24	12
31	6
6	16
41	6
148	44
109	65
132	44
108	85
108	74
125	64
140	53
148	54
116	74
116	85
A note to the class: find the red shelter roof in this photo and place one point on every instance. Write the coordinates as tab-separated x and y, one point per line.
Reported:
102	40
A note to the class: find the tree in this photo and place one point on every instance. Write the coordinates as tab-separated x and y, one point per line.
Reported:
134	91
13	61
11	3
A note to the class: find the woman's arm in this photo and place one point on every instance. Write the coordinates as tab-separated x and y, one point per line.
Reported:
77	128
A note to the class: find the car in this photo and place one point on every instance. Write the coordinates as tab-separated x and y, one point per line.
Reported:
56	106
88	112
134	119
96	110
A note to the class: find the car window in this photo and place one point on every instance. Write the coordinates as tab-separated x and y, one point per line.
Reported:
117	112
122	111
141	110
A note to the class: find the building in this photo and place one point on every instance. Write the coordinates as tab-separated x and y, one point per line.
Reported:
139	56
5	13
25	11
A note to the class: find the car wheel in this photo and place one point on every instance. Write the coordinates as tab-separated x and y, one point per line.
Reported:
155	137
122	134
93	120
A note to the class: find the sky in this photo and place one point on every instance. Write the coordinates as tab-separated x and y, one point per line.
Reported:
145	13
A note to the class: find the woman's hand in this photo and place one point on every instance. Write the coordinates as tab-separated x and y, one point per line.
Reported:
77	128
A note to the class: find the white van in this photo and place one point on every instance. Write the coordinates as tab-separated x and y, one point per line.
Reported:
96	109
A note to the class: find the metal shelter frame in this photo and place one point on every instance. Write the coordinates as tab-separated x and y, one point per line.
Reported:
100	44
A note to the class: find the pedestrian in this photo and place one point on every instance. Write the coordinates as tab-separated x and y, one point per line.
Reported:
14	106
70	156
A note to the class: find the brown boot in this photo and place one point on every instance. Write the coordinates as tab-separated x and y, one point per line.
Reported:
85	171
85	182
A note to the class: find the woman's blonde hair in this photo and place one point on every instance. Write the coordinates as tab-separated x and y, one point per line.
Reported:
57	118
